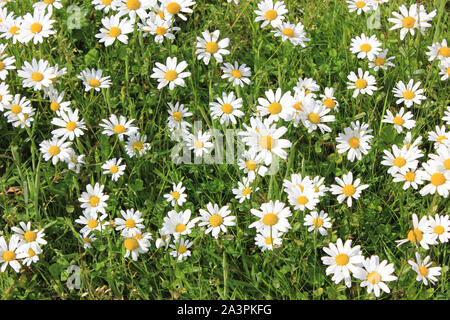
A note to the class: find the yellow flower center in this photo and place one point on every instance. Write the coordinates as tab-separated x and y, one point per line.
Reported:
177	116
268	241
441	138
342	259
182	249
246	191
399	162
298	106
398	121
444	51
138	145
106	2
266	142
314	118
36	27
437	179
360	4
288	32
329	103
374	277
130	223
114	32
94	201
227	108
447	164
131	244
236	74
86	240
9	255
353	142
160	31
438	230
119	129
379	61
415	235
37	76
94	83
274	108
173	8
410	176
270	219
360	83
54	106
175	195
31	253
215	220
133	4
54	150
301	187
180	227
171	75
49	1
302	200
212	47
14	29
16	109
349	190
408	22
408	94
160	14
199	144
317	222
114	169
251	164
2	65
271	14
423	271
93	224
71	125
365	47
30	236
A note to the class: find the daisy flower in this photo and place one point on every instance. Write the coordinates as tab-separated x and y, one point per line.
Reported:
401	160
318	222
439	180
440	137
409	94
200	143
411	178
170	74
400	120
359	6
309	85
295	33
319	187
328	99
177	196
58	73
276	104
354	141
56	101
251	165
8	253
6	62
131	224
178	223
160	28
444	69
74	162
409	20
18	107
36	75
55	149
315	115
269	12
134	247
374	275
11	28
115	29
93	200
104	5
36	26
347	188
91	222
87	240
381	62
134	8
303	198
118	126
237	74
268	239
114	168
136	145
438	50
29	256
363	83
71	125
5	96
48	5
177	114
176	8
295	110
271	216
342	261
365	47
216	219
423	270
442	158
29	238
421	233
92	79
244	190
227	108
441	227
210	46
181	248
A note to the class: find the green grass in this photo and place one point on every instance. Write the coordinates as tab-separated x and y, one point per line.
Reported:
231	267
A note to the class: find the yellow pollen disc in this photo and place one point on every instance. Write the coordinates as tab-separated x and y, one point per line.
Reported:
329	103
114	169
175	195
353	142
160	14
54	150
54	106
437	179
14	29
131	244
106	2
130	223
438	230
316	189
31	253
177	116
36	27
298	106
307	92
379	61
94	83
423	271
266	142
408	22
94	201
448	71
251	164
71	125
199	144
408	94
317	222
180	227
415	235
74	160
360	83
374	277
410	176
171	75
119	129
268	241
138	145
2	65
30	236
9	256
288	32
270	219
215	220
399	162
246	191
342	259
160	31
274	108
173	8
314	118
16	109
444	51
86	240
365	47
441	138
236	74
271	14
360	4
182	249
398	121
212	47
447	164
302	200
349	190
49	1
133	4
37	76
114	32
227	108
93	224
138	236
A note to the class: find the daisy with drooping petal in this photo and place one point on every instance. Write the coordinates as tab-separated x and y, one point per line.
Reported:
137	145
374	274
74	162
118	126
318	222
276	104
381	62
174	8
421	233
130	224
160	28
251	165
181	248
363	83
400	120
177	114
227	108
114	168
209	46
409	94
439	180
244	189
268	239
87	240
216	219
92	79
36	75
441	227
359	6
91	222
134	247
29	256
93	199
177	196
319	187
347	188
114	29
71	125
58	73
411	178
8	253
55	149
104	5
56	101
269	12
315	115
6	62
272	215
30	238
365	47
200	143
440	137
170	74
354	141
423	270
237	74
36	26
134	8
342	261
438	50
328	99
178	223
309	85
295	33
